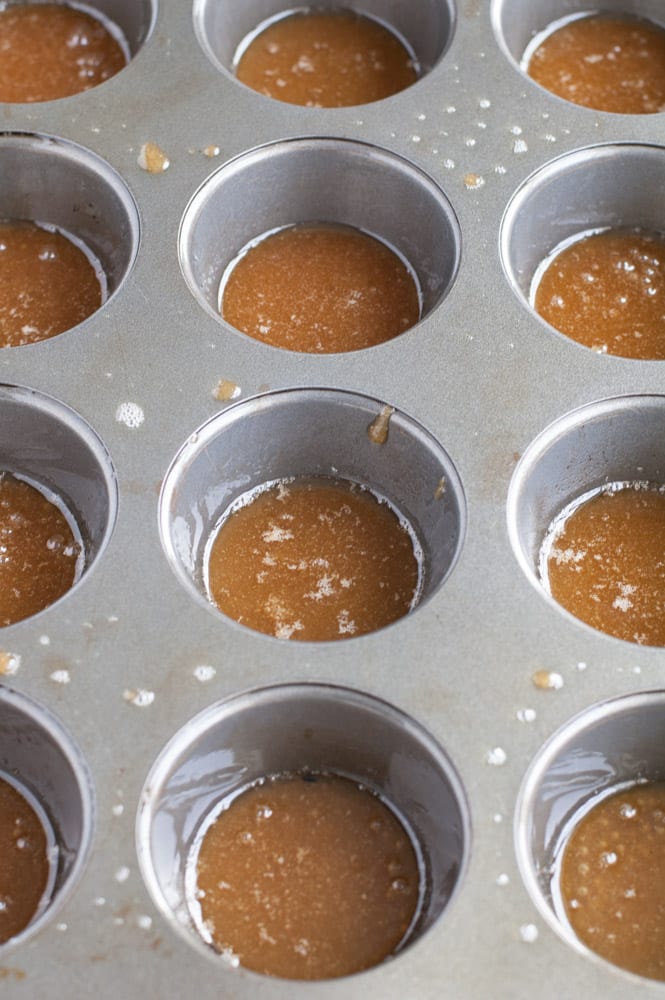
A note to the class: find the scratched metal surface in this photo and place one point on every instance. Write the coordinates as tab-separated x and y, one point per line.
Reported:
479	372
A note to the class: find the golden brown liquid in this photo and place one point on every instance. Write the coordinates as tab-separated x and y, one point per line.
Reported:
307	877
606	63
50	50
320	289
607	291
38	552
315	560
606	564
24	865
613	878
326	59
47	284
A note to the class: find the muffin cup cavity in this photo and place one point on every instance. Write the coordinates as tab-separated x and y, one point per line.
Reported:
57	183
46	443
310	433
326	181
221	27
287	729
41	759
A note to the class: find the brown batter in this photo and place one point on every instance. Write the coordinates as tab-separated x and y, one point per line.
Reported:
604	62
24	864
612	879
50	50
307	877
606	563
320	289
47	284
326	59
607	291
314	560
38	552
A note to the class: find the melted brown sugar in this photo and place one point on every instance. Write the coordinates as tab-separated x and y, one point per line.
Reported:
24	864
606	63
307	877
607	291
320	289
47	284
606	563
50	50
313	560
612	879
38	552
326	59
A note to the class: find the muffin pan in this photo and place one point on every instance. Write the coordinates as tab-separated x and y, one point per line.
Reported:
132	688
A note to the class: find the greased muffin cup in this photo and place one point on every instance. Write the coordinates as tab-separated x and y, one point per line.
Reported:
472	173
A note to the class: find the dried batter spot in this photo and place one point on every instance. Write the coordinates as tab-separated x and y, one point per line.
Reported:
603	62
611	876
607	292
9	663
473	181
52	50
440	491
211	151
547	680
139	697
226	390
319	289
618	587
313	560
306	877
153	159
377	431
326	59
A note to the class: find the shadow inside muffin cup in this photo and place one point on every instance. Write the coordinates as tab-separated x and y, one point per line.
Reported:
40	758
287	729
307	433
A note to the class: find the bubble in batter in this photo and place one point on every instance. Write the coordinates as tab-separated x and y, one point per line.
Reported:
53	50
24	861
48	284
313	559
320	289
40	558
325	59
611	879
305	876
603	559
603	62
606	290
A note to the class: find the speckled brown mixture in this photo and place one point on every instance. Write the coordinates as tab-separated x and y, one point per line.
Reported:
47	284
24	865
313	560
326	59
607	291
38	552
606	564
308	877
613	878
50	50
606	63
320	289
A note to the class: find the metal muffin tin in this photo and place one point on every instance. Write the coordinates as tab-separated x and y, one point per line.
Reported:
472	173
